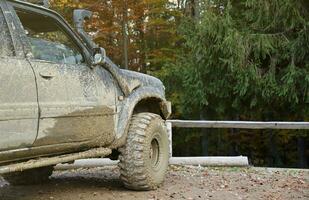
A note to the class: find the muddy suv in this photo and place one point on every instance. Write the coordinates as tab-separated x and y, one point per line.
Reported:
62	99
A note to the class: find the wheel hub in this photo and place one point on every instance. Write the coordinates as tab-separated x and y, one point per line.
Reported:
154	152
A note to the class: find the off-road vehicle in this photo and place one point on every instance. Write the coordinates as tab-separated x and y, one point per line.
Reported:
62	99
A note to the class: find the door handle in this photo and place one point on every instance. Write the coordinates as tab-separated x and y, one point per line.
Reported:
47	75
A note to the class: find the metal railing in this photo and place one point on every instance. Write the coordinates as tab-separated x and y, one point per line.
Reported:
228	160
207	160
238	124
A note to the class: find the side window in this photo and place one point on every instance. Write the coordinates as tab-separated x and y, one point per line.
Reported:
6	43
48	41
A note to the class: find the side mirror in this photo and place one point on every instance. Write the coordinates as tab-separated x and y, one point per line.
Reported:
99	56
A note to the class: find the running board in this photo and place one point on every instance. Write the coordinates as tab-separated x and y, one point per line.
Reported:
48	161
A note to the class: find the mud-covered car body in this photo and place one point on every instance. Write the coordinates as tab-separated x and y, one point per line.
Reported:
54	99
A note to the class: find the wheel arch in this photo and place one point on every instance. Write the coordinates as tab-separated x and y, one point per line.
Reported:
146	99
151	104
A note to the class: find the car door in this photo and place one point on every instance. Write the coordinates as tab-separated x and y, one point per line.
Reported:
76	103
18	94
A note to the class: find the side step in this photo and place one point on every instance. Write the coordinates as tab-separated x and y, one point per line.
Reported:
42	162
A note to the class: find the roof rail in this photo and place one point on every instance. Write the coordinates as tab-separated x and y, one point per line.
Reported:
44	3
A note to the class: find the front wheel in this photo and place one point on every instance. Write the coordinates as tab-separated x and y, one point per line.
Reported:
144	157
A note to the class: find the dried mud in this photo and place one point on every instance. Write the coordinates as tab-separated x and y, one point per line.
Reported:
181	183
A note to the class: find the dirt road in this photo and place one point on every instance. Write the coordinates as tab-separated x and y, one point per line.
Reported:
181	183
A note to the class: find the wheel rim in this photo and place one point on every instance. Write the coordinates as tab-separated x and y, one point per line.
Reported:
154	152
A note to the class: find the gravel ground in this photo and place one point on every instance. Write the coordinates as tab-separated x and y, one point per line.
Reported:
181	183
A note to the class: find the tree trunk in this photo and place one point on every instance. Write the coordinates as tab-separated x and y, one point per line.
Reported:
233	144
301	147
192	9
204	141
234	138
273	154
197	10
125	34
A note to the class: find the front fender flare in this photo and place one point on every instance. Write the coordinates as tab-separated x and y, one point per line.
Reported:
128	105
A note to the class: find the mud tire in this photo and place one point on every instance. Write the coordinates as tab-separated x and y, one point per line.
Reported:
29	177
144	158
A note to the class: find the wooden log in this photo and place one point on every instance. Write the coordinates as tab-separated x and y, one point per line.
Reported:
211	161
203	161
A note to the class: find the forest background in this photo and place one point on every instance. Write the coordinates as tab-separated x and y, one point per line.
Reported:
219	60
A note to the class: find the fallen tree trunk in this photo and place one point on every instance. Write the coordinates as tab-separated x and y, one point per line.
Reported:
204	161
211	161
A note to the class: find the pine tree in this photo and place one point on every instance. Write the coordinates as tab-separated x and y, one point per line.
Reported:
247	60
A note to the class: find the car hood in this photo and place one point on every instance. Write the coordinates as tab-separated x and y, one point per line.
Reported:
130	80
135	80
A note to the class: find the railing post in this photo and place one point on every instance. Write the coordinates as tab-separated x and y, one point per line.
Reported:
169	132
